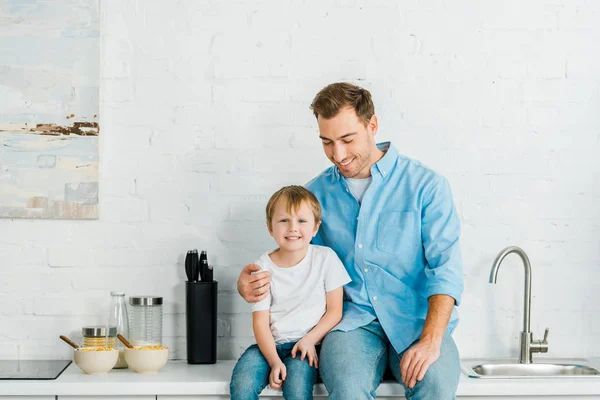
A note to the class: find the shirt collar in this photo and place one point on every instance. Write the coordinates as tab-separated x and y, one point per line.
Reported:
386	163
381	167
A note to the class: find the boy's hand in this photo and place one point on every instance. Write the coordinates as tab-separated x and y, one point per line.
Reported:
278	375
253	287
306	349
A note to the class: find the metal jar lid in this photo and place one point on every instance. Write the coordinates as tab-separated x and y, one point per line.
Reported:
145	301
98	331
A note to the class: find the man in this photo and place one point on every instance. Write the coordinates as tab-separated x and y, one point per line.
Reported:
393	224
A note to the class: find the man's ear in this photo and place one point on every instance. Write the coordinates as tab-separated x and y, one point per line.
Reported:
373	124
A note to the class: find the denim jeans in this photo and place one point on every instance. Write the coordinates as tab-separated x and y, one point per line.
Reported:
352	365
251	374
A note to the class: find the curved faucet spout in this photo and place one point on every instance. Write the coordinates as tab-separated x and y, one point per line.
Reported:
527	265
528	345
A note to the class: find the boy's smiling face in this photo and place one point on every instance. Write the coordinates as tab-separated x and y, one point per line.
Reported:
293	230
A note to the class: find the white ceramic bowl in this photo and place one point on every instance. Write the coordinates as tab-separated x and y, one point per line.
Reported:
96	362
146	361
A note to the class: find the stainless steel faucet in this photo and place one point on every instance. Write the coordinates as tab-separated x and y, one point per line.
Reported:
528	345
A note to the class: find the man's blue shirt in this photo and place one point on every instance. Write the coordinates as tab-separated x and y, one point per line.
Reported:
399	246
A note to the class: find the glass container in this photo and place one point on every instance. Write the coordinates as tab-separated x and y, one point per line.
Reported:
95	336
145	313
117	316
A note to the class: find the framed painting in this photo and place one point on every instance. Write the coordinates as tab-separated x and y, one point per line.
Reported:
49	108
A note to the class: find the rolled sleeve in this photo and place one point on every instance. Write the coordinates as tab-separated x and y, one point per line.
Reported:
440	231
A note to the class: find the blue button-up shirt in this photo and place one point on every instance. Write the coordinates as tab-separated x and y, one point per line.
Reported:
399	246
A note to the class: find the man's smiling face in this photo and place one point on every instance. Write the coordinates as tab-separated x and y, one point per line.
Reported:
349	144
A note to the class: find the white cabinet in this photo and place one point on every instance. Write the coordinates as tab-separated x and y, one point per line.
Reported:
318	397
214	397
271	396
104	397
27	397
207	397
516	397
265	397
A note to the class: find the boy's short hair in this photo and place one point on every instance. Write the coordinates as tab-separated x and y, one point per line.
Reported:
293	195
333	98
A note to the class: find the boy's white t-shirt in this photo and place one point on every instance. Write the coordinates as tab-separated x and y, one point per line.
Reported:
297	296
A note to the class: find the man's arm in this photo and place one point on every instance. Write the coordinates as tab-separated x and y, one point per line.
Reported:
416	360
253	287
440	231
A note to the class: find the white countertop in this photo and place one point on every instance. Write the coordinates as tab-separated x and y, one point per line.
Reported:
179	378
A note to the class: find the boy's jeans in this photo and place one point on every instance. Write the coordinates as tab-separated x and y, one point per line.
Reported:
251	374
352	366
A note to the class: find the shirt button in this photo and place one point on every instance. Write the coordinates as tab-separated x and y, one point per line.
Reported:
384	173
357	218
366	269
360	246
374	297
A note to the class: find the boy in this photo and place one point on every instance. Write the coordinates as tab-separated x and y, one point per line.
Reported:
304	302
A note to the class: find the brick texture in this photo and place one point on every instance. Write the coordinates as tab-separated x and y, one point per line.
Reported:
205	112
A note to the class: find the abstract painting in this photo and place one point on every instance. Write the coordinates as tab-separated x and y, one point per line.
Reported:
49	108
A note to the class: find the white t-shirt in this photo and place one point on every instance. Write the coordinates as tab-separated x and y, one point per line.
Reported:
358	187
297	296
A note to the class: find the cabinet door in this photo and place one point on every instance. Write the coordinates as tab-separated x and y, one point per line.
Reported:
198	397
221	397
27	397
105	397
542	397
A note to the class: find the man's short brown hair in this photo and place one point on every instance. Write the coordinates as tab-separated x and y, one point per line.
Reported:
333	98
293	196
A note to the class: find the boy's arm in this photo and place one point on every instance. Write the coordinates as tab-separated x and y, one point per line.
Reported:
264	337
333	315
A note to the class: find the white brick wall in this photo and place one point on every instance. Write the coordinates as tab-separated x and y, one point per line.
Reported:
204	109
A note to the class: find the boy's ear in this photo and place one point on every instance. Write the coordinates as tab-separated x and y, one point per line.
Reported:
269	228
317	225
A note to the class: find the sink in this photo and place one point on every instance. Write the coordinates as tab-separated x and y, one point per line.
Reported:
510	368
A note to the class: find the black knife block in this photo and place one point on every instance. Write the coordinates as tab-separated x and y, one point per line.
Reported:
201	322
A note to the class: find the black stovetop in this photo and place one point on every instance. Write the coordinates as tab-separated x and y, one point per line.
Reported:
32	369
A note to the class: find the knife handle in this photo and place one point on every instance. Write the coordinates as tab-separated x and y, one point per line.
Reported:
203	268
209	273
188	266
195	266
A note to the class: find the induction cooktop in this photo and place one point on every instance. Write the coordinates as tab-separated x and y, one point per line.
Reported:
32	369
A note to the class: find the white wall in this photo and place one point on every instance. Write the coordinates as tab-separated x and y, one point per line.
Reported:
204	112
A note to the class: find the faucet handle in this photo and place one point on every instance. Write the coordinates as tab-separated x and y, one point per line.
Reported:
540	346
545	340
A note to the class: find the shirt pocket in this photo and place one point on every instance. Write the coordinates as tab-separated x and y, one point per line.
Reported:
397	232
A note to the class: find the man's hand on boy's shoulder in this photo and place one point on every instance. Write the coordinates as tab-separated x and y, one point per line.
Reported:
252	284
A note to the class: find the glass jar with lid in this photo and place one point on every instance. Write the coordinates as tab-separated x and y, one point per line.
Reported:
117	316
145	320
96	336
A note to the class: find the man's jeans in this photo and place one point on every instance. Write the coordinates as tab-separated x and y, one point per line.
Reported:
251	374
352	366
